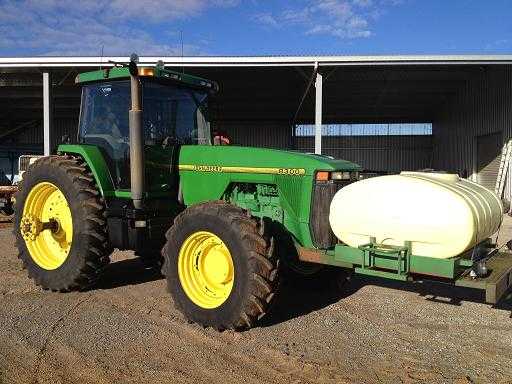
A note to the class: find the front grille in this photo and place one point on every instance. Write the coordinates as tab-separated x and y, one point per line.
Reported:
320	228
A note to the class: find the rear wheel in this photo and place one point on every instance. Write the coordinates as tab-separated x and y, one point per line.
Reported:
60	226
220	266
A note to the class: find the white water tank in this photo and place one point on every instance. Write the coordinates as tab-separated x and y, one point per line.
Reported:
441	214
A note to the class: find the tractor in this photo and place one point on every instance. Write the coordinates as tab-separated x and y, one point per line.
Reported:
224	222
221	221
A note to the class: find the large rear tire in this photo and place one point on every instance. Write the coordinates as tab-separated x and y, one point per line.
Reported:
220	266
60	224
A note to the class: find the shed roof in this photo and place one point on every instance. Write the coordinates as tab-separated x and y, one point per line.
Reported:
221	61
255	88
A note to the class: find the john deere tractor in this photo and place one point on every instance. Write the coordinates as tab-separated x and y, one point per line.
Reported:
143	176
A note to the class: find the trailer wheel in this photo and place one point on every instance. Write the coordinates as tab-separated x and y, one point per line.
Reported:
220	266
60	226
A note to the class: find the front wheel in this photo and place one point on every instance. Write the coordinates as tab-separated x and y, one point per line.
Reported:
220	266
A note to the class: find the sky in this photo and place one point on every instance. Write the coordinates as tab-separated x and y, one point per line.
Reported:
254	27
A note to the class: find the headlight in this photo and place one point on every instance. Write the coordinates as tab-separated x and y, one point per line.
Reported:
337	176
340	176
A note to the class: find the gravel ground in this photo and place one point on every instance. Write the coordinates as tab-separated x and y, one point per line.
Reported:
125	330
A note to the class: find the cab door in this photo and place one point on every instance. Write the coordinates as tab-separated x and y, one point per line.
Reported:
161	171
161	149
173	116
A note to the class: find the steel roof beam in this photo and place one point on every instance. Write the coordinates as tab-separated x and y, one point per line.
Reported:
205	61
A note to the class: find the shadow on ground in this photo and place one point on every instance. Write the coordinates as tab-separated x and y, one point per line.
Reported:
126	272
298	298
432	291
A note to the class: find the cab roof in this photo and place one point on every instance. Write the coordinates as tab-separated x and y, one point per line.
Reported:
158	72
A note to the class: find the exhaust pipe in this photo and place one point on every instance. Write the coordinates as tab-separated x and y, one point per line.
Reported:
136	137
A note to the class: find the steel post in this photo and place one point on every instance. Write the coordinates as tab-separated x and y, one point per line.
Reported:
47	113
318	113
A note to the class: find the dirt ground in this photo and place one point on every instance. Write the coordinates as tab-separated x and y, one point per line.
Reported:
126	330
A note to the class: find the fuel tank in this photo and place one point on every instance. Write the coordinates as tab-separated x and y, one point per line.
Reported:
442	215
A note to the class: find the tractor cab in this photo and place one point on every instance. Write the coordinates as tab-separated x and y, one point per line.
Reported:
174	112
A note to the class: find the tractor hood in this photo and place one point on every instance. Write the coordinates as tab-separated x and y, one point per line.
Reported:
248	159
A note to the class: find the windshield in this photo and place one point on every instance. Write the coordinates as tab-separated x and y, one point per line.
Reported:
170	112
175	114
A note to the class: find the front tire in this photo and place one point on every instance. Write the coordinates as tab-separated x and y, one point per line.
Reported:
220	266
60	225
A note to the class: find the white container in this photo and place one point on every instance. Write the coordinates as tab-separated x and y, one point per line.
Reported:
441	214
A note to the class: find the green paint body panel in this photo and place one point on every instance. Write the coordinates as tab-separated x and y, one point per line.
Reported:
294	191
283	180
444	268
92	155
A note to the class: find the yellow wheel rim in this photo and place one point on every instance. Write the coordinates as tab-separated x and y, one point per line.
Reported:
47	226
205	269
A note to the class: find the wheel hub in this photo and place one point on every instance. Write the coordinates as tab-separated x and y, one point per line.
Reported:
205	269
31	227
216	266
47	226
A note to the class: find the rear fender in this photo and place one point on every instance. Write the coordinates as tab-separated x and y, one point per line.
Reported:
96	162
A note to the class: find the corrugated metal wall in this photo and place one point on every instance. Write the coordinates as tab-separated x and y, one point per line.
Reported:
30	141
34	135
380	153
482	106
376	153
266	134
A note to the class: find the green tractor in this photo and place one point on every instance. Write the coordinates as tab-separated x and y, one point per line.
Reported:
223	222
144	176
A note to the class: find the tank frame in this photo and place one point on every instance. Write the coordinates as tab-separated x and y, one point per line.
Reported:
398	263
